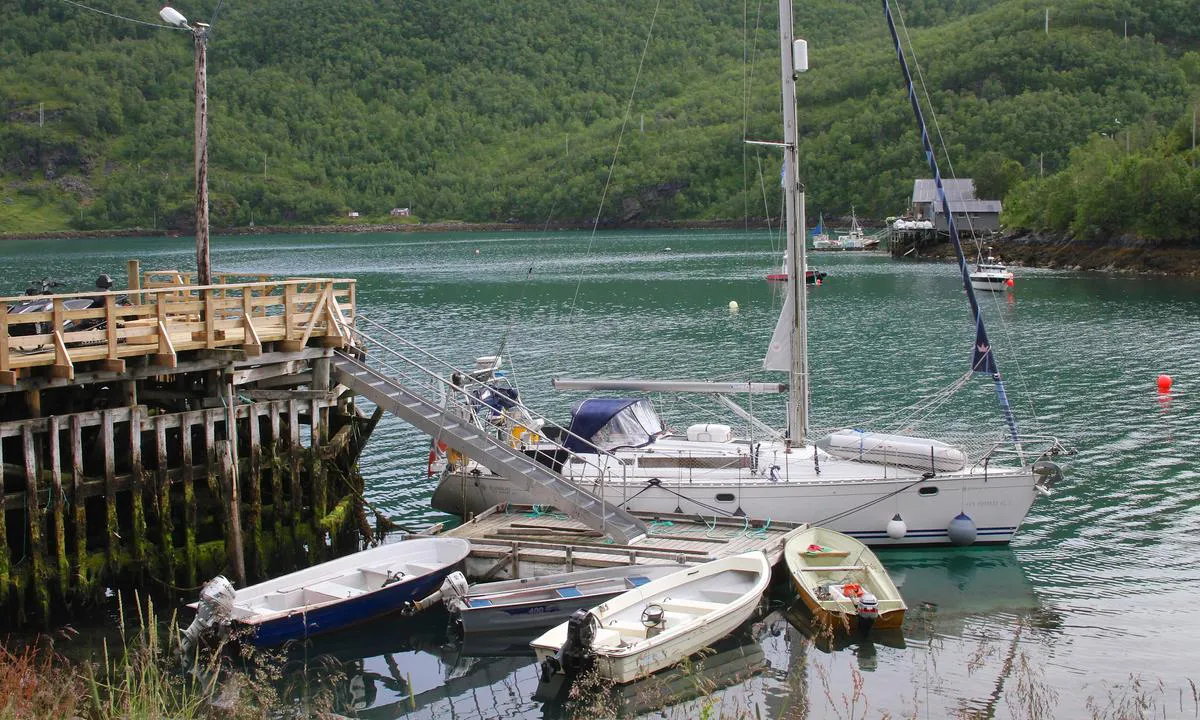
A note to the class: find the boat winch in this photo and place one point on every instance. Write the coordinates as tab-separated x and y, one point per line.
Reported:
213	611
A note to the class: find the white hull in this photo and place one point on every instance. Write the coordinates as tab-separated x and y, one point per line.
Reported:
702	605
854	498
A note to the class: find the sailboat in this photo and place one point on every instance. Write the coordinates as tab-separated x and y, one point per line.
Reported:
882	489
822	240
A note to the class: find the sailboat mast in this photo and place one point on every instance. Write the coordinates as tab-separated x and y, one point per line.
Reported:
794	60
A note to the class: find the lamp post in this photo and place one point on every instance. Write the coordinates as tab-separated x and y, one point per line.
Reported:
200	36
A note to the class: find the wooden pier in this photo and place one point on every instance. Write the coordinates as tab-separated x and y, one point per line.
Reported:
511	541
171	432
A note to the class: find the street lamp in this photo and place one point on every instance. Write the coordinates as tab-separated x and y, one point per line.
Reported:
200	34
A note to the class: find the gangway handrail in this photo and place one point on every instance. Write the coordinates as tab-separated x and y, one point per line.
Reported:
503	458
466	397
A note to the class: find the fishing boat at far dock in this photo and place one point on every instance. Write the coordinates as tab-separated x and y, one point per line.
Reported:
842	582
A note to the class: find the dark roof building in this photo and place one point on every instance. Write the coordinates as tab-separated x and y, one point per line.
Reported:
970	213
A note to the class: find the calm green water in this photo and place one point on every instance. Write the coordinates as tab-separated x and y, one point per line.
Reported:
1098	586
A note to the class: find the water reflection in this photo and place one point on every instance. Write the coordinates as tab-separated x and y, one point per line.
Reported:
960	600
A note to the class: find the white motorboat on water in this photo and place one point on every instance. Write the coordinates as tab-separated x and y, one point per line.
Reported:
851	480
657	624
537	602
991	274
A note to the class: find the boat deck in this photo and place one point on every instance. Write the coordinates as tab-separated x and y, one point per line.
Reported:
521	540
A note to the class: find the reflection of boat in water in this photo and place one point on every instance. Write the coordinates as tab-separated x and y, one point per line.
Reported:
395	667
828	640
727	663
947	589
963	581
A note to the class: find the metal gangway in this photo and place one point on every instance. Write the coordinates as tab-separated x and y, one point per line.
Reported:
442	405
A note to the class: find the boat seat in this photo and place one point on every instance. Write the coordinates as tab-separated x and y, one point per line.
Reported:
723	597
334	590
635	581
606	637
413	568
688	606
569	592
633	630
833	568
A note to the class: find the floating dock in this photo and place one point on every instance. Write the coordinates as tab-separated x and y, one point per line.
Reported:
512	541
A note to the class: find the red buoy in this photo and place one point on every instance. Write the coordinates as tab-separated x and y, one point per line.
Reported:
1009	282
1164	383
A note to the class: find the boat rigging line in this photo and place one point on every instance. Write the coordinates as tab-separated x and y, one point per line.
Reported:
616	152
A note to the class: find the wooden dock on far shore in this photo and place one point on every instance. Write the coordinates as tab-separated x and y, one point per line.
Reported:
511	541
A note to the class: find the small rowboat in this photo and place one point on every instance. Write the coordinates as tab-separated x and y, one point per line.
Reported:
335	594
658	624
842	582
540	602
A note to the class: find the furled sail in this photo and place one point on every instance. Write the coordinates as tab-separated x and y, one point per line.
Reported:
779	351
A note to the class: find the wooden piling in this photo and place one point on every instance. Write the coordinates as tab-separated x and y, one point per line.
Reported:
110	490
59	504
4	561
77	502
33	509
166	525
258	548
137	488
187	422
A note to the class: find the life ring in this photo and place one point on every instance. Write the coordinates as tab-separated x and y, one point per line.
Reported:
852	590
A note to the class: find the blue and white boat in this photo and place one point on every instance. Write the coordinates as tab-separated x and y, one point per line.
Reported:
346	591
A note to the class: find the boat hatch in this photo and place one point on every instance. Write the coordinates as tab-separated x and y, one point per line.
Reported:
608	423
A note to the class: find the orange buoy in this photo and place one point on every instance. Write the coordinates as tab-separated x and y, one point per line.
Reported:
1164	383
1009	282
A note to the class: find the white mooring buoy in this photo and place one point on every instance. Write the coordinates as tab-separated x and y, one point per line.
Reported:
733	306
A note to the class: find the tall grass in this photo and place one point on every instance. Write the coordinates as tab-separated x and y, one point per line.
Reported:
141	678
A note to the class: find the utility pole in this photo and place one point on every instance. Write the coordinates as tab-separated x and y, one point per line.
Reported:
203	265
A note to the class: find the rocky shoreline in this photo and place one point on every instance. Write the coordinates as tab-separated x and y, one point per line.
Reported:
1124	255
1128	255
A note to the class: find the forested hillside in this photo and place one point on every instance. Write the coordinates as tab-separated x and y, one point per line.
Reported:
478	111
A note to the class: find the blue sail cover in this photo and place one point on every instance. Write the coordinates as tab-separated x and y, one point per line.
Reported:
819	229
606	423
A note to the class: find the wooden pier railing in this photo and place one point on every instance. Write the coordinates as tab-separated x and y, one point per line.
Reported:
161	315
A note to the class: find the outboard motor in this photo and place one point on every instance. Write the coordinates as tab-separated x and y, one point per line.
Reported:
453	588
868	612
573	657
104	282
212	613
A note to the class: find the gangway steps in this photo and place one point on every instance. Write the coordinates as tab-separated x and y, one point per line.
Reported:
511	464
